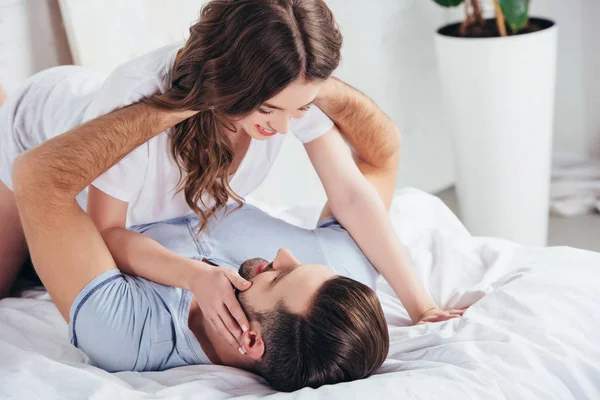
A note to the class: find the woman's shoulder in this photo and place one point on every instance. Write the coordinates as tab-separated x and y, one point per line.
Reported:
130	82
154	64
311	126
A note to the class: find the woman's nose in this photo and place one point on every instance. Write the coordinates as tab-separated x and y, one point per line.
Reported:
281	125
284	260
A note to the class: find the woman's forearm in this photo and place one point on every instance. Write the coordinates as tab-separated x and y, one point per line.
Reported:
375	142
367	221
140	255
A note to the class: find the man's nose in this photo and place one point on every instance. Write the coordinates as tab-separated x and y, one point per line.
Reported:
284	260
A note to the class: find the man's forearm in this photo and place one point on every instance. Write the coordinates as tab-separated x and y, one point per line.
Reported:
371	134
92	149
66	247
382	179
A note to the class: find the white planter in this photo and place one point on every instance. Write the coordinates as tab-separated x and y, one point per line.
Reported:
499	98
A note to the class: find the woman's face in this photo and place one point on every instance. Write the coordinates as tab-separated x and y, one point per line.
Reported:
275	114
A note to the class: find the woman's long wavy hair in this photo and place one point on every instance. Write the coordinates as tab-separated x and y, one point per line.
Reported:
239	54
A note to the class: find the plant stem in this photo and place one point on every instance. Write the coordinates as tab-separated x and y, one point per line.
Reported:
477	12
500	22
467	21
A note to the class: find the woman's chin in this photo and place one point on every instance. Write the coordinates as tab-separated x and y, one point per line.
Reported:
258	136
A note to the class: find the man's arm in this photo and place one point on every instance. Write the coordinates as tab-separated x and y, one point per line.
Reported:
373	137
65	246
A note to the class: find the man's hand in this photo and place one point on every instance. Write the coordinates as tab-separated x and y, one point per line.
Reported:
213	289
437	315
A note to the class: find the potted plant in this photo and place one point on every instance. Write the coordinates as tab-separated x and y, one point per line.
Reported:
498	80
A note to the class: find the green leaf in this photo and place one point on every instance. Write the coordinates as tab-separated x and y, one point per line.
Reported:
515	12
449	3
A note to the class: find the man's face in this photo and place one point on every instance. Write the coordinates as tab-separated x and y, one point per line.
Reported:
284	280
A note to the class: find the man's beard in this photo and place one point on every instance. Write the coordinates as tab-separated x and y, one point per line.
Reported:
248	269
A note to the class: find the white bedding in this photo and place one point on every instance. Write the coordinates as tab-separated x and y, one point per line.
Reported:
532	331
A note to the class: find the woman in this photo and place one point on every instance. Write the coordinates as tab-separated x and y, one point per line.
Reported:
250	70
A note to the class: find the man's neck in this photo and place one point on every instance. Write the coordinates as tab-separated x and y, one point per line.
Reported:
217	350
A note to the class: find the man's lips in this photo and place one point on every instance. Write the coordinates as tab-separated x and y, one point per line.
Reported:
261	267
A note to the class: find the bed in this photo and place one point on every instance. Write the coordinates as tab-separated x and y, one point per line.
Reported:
531	331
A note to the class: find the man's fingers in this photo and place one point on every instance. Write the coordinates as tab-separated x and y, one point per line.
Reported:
237	281
236	311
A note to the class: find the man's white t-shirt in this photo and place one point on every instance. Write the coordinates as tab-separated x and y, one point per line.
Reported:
148	177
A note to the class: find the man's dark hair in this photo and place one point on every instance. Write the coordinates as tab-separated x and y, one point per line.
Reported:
342	337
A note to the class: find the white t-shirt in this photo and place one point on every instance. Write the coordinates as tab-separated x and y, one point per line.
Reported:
147	178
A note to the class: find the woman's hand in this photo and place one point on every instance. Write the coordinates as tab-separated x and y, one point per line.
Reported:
437	315
214	291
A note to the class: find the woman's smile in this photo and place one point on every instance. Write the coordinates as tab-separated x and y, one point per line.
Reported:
265	132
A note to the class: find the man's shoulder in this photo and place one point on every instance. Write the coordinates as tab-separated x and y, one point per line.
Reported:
343	254
169	294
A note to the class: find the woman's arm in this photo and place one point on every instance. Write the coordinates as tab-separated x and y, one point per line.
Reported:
357	206
134	253
360	202
139	255
382	178
373	138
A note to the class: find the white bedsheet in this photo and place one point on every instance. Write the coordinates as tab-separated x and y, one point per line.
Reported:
532	331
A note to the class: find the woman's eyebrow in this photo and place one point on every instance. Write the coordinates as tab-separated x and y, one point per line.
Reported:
272	106
279	108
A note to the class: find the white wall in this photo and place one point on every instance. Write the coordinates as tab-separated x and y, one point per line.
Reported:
31	39
105	33
591	65
388	54
571	123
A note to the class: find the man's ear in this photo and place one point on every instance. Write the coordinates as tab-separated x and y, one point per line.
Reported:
253	342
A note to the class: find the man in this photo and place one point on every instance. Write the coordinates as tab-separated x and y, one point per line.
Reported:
340	320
